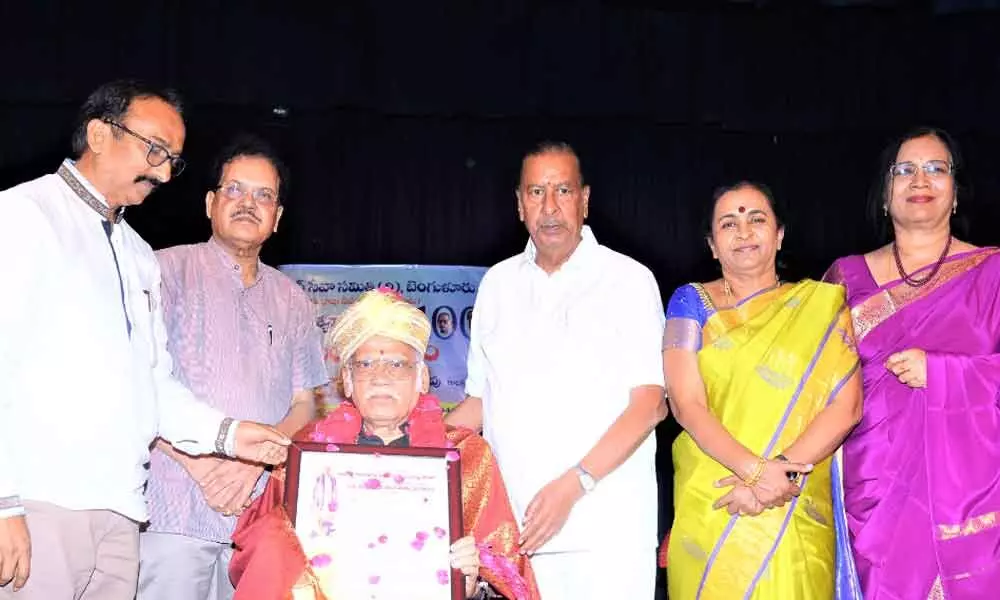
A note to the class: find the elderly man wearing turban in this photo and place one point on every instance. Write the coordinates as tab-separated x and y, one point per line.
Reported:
381	340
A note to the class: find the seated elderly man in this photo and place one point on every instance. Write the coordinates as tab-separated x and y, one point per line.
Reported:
381	340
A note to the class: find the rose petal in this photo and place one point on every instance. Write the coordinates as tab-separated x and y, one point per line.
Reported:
398	479
374	579
442	575
418	545
332	448
332	506
386	475
315	436
371	545
451	456
438	531
383	539
422	536
373	484
320	560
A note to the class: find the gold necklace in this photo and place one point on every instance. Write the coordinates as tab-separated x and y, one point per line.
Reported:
728	290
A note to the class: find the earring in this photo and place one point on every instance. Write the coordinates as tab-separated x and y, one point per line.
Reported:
954	207
885	210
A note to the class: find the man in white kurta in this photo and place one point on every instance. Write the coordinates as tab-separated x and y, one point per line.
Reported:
85	377
565	378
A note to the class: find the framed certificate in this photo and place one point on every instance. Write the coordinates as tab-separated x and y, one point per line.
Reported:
377	522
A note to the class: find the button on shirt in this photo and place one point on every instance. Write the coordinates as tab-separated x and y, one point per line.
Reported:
85	377
554	358
245	350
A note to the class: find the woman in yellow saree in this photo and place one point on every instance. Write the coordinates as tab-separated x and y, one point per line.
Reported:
762	376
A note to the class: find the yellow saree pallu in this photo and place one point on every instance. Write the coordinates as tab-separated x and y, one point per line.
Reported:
770	365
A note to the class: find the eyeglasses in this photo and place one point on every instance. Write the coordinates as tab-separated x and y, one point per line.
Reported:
931	168
394	368
234	190
157	154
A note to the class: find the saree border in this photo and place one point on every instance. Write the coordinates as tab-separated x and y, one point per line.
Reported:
805	479
893	297
770	446
712	309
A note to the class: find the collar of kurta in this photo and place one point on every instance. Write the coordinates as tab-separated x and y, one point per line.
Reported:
76	183
233	267
578	258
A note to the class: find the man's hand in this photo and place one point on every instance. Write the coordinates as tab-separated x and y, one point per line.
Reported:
198	467
261	443
548	511
228	487
15	552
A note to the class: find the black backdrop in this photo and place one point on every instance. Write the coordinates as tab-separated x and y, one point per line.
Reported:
403	122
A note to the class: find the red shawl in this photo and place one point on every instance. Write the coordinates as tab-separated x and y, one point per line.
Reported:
269	561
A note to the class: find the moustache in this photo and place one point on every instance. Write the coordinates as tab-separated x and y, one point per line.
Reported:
245	212
382	392
152	181
550	222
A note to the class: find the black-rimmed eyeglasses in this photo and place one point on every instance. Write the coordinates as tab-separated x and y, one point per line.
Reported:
157	154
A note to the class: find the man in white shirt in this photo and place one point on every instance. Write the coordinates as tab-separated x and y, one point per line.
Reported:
565	378
85	377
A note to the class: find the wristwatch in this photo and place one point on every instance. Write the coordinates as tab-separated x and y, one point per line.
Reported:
587	481
791	475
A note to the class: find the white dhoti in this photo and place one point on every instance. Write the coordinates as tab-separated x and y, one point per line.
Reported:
607	574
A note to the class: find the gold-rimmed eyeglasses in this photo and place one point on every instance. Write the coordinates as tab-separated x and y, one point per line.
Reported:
235	190
931	168
394	368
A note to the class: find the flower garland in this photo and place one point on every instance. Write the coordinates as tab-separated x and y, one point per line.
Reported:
425	425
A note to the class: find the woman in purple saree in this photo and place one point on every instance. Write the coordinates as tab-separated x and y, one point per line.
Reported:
921	477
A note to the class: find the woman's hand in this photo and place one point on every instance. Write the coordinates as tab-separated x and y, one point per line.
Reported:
740	500
465	558
910	367
774	488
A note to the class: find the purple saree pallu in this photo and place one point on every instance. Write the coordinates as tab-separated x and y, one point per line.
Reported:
922	470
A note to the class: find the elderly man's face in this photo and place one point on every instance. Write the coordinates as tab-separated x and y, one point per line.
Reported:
385	378
245	209
552	202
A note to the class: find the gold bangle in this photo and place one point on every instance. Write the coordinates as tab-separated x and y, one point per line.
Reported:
756	473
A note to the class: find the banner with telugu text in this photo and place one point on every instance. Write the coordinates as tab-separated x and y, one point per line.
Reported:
445	293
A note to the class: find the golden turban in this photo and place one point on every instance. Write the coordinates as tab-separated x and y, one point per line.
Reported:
379	313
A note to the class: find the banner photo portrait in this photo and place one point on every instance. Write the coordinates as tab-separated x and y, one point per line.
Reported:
446	294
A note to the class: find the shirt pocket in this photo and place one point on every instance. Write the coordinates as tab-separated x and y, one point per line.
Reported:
143	303
278	345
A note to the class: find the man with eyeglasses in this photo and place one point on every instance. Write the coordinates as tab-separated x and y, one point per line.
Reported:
381	340
244	338
85	376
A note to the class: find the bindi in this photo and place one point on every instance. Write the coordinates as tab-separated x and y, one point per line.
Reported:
742	209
